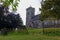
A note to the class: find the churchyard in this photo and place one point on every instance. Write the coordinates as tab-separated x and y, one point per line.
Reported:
33	34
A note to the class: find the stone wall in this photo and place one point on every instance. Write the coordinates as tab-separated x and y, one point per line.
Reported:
50	24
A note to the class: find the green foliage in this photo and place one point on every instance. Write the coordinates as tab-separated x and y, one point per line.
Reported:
13	3
50	9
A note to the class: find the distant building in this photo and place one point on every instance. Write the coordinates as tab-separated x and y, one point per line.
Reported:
32	20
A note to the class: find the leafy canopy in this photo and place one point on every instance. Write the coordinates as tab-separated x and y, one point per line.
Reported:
50	9
13	3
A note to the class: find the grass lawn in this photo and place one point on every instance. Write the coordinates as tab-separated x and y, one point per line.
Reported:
34	34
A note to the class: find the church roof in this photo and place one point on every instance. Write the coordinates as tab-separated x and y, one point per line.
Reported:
36	17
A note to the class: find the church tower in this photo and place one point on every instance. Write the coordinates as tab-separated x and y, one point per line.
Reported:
29	14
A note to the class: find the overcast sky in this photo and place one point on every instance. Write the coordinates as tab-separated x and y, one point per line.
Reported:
25	4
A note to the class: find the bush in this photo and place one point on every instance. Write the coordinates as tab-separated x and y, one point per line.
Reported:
4	31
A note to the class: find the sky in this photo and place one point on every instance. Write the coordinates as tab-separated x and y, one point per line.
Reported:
24	4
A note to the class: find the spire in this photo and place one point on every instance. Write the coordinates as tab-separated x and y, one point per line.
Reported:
30	6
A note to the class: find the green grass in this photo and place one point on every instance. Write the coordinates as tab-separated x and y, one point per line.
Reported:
52	31
34	34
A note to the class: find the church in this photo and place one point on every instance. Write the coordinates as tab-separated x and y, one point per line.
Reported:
32	20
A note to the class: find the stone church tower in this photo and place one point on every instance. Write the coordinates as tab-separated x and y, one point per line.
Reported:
29	14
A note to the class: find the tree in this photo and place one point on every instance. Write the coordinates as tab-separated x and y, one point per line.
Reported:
13	3
14	21
4	6
5	21
50	9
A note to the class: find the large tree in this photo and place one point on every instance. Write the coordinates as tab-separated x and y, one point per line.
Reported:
6	21
50	9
